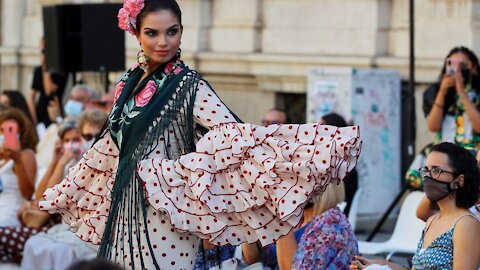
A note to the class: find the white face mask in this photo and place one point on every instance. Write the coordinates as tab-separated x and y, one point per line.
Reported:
73	108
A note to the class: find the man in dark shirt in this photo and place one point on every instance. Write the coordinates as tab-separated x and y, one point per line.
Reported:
49	86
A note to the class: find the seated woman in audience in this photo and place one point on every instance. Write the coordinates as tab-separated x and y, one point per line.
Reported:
30	219
15	99
67	152
451	183
58	247
17	170
17	164
325	239
425	209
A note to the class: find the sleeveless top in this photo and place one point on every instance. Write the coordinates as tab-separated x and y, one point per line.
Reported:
10	198
439	254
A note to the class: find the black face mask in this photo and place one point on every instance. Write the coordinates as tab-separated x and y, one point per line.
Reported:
466	73
436	190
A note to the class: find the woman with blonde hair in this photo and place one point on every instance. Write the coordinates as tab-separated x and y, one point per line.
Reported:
328	240
323	240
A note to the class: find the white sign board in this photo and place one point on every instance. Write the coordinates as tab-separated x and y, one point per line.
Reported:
371	99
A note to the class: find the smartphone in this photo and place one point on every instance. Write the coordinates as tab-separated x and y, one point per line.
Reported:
450	69
11	138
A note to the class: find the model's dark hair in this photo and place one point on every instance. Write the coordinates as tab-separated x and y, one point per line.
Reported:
334	119
463	162
17	100
157	5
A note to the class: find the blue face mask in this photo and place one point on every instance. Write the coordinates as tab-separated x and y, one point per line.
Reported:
73	108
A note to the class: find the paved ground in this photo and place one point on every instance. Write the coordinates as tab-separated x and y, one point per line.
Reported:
382	236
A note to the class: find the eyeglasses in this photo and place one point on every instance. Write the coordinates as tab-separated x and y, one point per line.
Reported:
89	137
434	172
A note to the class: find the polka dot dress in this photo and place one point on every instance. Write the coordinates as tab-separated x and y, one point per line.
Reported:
12	240
243	183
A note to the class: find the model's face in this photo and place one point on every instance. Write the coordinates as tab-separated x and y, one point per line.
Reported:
159	36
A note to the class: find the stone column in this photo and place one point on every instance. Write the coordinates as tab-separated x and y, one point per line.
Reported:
196	19
12	28
236	26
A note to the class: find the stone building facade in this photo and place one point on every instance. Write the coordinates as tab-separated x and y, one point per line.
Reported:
256	53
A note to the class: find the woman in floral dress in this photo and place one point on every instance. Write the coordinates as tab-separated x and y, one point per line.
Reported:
173	165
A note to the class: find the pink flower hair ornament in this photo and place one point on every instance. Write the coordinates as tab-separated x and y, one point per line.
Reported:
127	15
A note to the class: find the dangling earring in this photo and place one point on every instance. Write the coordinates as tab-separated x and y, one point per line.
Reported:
142	60
179	53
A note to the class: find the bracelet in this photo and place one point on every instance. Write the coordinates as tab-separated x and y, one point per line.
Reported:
438	105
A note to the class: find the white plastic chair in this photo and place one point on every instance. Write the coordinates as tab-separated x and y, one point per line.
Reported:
353	213
342	206
406	234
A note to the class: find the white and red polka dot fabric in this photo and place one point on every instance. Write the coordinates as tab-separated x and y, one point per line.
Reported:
244	183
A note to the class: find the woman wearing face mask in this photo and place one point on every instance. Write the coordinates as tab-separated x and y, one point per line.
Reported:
80	97
67	151
451	183
452	106
17	176
58	248
32	220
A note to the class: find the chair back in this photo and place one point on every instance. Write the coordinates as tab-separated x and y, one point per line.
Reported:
408	228
352	215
